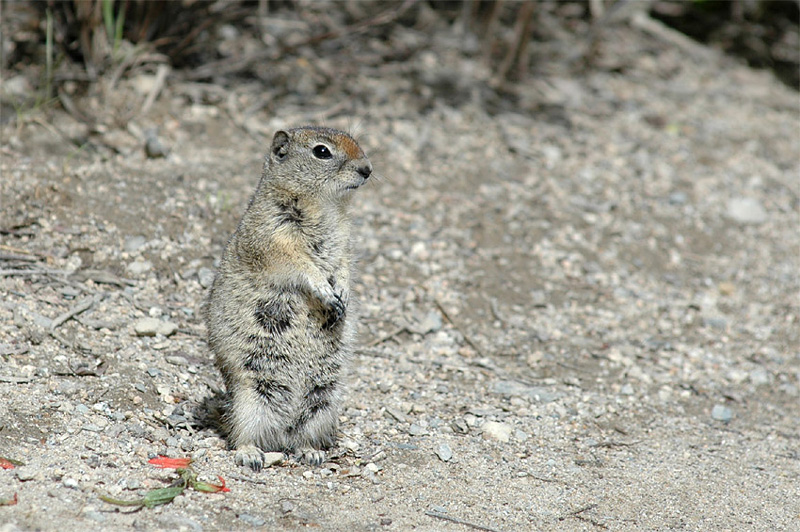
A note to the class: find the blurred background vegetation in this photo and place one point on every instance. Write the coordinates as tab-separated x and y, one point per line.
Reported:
58	50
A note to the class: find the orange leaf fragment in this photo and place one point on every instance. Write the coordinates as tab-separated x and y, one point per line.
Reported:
170	463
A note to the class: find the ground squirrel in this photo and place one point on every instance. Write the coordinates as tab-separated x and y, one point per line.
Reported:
277	312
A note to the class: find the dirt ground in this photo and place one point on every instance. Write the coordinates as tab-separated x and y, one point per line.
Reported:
578	296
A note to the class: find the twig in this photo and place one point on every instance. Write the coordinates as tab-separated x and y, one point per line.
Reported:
388	336
12	256
9	273
643	21
161	76
460	521
467	339
574	513
82	306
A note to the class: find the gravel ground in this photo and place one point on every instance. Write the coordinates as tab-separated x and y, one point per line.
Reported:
579	300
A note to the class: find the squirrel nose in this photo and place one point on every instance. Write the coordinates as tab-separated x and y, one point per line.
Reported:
365	170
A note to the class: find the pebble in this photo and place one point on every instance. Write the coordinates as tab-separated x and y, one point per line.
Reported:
133	243
153	326
24	474
627	389
177	360
746	211
416	430
206	277
514	388
139	267
153	146
70	483
252	520
722	413
273	458
444	452
759	377
431	322
497	431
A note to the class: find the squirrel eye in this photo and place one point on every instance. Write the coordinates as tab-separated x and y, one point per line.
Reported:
322	152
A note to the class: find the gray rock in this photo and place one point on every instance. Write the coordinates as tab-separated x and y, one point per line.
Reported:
177	360
133	243
416	430
138	267
70	483
746	211
431	322
206	277
678	198
760	377
493	430
153	326
444	452
153	146
252	520
273	458
514	388
722	413
24	474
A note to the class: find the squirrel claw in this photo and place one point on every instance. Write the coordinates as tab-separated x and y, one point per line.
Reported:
336	310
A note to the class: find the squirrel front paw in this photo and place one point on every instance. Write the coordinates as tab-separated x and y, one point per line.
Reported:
335	310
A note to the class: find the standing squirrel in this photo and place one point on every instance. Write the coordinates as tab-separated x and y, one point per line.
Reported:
277	312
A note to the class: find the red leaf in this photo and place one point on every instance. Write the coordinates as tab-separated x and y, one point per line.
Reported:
211	488
5	464
170	463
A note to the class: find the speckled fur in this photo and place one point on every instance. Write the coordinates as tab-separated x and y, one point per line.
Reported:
277	314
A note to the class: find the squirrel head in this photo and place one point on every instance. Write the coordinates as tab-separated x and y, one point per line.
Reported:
317	160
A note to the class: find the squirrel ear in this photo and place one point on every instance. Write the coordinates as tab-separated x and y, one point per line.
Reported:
280	143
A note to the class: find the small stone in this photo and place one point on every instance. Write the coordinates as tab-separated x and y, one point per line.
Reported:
273	458
722	413
153	146
154	326
678	198
432	322
497	431
416	430
396	414
252	520
627	389
759	377
24	474
138	267
459	426
746	211
726	288
177	360
133	243
372	467
206	277
70	483
444	452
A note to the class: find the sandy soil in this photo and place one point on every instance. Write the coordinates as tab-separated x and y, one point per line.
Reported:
578	297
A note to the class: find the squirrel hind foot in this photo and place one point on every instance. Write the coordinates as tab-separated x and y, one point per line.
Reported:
250	456
310	456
